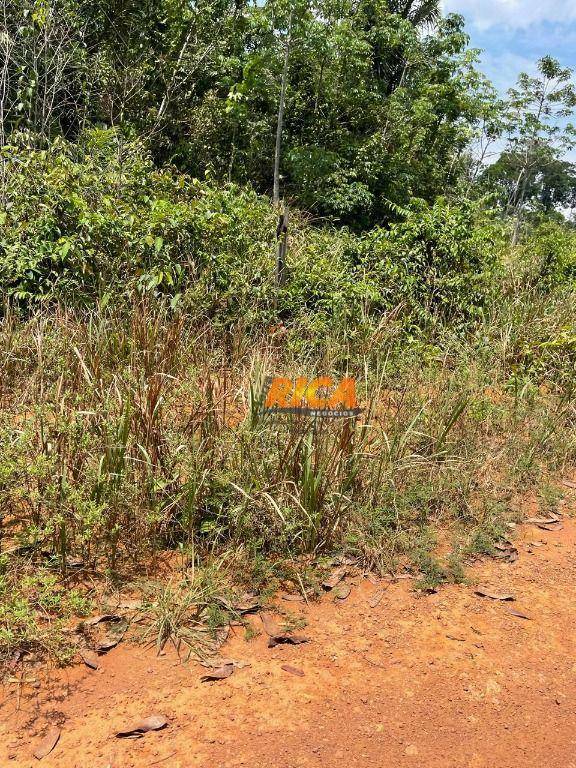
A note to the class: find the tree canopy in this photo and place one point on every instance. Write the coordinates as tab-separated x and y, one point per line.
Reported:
382	98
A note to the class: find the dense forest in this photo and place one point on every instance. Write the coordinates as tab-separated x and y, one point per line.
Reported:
120	120
147	151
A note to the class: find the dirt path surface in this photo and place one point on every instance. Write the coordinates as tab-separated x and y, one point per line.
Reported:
448	679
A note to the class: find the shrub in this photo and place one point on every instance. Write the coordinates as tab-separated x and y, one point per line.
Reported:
97	220
550	252
441	260
87	220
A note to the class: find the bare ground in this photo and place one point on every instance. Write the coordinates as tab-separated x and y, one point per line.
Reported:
448	679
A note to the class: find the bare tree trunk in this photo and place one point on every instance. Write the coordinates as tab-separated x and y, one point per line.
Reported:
515	206
5	52
282	230
282	238
520	191
168	92
280	123
320	82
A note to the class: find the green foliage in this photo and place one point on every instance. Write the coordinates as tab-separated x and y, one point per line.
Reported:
88	219
128	432
140	310
551	252
531	173
380	102
377	109
33	611
441	260
99	222
546	183
180	612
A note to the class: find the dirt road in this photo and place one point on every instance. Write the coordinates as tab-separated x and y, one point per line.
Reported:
448	679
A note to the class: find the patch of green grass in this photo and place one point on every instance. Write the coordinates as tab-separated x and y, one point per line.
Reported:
292	622
34	610
549	497
188	612
480	540
432	572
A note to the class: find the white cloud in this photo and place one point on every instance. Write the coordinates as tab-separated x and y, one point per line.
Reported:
516	14
503	68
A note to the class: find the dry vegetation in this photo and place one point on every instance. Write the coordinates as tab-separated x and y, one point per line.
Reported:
142	302
127	434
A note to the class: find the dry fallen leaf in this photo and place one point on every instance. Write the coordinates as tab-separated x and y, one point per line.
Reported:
292	670
550	520
342	592
335	578
243	608
90	658
293	598
519	614
220	662
493	595
139	728
506	552
270	625
130	605
569	483
285	638
222	634
220	673
111	617
249	603
377	597
48	743
552	526
106	645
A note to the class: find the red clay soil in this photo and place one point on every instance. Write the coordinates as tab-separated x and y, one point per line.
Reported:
448	679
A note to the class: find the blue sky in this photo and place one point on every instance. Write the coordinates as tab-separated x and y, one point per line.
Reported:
516	33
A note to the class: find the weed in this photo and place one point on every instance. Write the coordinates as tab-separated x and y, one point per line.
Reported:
188	613
127	433
33	613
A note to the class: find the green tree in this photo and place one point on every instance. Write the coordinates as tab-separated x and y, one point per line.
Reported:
43	68
417	12
377	107
549	182
538	135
